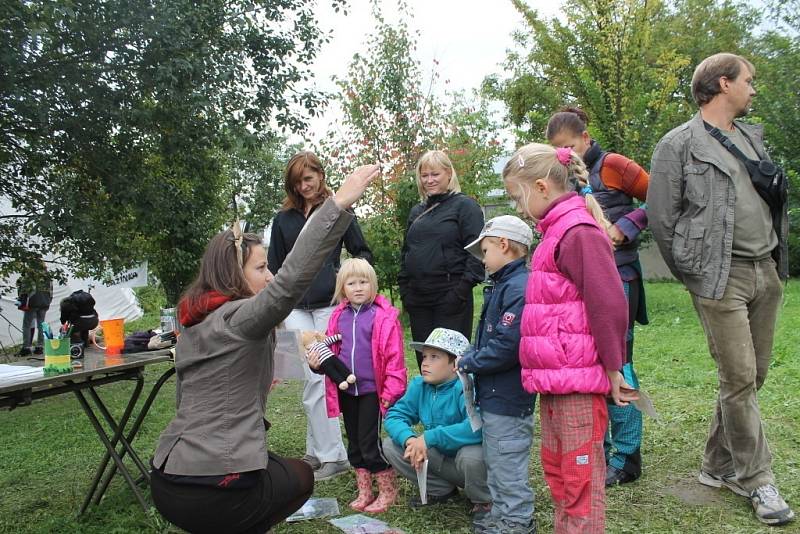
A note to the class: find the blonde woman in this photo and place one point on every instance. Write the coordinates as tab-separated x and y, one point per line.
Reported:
436	273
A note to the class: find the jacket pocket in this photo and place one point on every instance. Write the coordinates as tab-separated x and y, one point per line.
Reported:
425	258
698	178
687	246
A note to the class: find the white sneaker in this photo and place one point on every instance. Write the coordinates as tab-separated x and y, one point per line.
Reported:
770	507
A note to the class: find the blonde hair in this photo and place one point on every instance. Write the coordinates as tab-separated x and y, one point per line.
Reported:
518	249
537	161
355	267
436	158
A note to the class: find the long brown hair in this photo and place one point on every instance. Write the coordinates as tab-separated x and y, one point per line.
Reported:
220	270
305	159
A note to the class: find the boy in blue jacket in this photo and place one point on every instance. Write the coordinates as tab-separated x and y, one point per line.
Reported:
436	399
506	408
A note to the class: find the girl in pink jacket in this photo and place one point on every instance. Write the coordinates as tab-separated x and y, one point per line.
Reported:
372	348
573	330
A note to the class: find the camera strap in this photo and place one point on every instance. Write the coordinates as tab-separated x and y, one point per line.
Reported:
727	143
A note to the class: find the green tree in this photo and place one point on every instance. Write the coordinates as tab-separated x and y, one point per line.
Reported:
390	116
626	62
776	55
117	118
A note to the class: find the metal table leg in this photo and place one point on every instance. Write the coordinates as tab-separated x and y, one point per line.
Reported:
133	431
126	447
110	448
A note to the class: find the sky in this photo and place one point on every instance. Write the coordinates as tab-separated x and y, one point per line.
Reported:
468	38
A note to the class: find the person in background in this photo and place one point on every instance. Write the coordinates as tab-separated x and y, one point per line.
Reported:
435	401
436	273
372	349
304	183
506	409
34	295
729	248
615	182
573	330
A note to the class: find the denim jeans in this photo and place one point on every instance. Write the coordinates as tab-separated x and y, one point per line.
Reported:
740	329
507	451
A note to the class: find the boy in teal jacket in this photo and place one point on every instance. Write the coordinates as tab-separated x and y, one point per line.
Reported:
436	400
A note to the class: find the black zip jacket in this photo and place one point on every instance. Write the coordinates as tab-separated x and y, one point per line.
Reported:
286	226
433	259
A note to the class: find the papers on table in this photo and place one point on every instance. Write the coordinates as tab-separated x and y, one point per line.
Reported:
469	399
17	372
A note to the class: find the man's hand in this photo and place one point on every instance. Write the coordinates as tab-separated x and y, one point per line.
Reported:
416	451
621	392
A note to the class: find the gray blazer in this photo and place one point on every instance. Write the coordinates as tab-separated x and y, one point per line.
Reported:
225	364
690	206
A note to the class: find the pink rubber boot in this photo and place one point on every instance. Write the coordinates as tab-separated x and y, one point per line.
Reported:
387	495
365	496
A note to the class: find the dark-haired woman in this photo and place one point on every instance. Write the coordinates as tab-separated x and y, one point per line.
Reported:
211	470
615	182
304	183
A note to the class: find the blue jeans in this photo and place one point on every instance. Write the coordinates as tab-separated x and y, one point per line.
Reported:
507	452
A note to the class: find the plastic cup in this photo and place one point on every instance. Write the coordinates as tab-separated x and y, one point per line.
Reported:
113	335
56	356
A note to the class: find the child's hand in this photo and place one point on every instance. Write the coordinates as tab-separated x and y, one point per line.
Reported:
616	235
416	451
313	358
385	403
621	392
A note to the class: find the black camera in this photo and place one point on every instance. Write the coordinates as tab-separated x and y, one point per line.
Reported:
76	351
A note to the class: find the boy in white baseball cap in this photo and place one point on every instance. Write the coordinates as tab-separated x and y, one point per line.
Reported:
506	408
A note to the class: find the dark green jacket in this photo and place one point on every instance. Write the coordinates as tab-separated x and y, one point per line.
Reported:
690	205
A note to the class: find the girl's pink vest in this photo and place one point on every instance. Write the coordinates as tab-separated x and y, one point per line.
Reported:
388	355
557	351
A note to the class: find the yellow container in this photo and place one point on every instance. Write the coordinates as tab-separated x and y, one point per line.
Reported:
56	356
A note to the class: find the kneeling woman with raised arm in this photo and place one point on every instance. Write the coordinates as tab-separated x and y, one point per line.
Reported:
211	470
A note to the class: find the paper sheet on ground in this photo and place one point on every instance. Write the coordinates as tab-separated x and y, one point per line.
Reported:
314	508
422	482
645	405
362	524
289	355
469	399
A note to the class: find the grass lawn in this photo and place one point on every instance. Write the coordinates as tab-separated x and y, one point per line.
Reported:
48	451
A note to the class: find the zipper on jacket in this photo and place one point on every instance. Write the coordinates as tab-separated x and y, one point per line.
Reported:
353	350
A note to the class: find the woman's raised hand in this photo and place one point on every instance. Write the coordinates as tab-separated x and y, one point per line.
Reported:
355	185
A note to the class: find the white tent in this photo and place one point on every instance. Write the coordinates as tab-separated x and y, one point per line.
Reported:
116	300
112	301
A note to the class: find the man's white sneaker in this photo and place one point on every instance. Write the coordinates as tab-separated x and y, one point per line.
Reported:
770	507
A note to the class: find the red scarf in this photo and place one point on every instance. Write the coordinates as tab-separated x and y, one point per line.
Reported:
194	311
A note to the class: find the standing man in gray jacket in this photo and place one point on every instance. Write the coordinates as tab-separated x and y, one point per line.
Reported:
729	248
